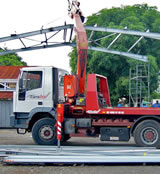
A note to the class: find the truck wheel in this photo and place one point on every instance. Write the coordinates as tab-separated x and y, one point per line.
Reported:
147	133
44	132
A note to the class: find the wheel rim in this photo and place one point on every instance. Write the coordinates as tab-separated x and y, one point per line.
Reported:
149	135
46	133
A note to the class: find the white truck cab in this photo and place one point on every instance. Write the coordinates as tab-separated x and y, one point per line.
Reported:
38	91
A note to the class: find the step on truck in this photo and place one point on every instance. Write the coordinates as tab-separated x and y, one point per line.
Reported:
45	93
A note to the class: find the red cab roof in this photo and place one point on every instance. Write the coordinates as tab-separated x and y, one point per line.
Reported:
9	72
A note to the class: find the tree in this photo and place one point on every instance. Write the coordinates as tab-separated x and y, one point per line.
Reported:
116	68
11	60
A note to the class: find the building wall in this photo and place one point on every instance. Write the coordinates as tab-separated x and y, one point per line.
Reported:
6	108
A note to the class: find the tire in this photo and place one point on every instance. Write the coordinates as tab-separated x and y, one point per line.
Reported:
44	132
147	134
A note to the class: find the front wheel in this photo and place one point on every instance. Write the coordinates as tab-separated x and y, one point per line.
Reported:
147	133
44	132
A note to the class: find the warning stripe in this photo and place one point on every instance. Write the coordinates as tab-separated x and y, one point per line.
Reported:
59	124
59	129
59	133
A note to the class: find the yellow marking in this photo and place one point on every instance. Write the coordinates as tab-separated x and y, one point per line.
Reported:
78	108
129	127
59	105
103	112
145	154
81	99
83	45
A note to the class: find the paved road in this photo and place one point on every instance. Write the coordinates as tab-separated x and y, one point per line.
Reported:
10	137
79	154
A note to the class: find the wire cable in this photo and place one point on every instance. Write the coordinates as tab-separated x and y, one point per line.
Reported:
53	21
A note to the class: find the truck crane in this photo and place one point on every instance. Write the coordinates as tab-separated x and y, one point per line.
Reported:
92	114
41	107
82	50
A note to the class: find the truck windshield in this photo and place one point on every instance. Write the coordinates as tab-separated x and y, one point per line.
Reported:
31	80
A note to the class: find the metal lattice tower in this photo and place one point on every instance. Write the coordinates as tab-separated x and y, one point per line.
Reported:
139	85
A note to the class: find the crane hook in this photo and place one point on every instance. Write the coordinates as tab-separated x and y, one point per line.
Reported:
74	8
69	6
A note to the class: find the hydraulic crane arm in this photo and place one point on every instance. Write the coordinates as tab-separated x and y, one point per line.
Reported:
82	44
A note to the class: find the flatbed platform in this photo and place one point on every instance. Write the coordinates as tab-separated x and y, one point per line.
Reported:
126	111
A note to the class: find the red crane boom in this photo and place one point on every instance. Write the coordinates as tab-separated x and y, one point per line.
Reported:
75	85
82	50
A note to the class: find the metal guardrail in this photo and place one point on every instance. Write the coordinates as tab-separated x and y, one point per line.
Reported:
76	154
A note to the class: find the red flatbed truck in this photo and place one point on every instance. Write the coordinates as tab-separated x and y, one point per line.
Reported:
92	114
83	113
96	117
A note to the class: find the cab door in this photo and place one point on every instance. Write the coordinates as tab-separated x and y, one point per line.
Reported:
30	91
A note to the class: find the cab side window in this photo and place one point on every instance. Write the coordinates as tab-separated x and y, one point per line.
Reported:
32	80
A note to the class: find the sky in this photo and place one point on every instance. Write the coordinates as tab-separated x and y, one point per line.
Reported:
20	16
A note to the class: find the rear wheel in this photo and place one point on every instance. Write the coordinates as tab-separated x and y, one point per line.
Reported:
147	133
44	132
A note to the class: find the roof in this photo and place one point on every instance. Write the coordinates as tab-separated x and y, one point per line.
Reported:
6	95
9	72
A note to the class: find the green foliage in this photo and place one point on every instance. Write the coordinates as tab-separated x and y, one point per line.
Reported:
11	60
116	68
155	95
154	72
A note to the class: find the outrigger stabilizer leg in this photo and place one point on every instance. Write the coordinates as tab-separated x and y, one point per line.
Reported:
60	116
